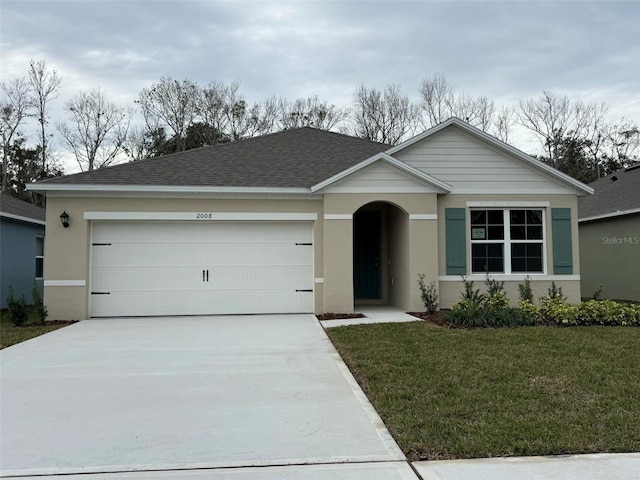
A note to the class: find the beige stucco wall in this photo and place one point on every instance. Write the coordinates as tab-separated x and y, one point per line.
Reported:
67	249
610	255
412	244
410	235
451	288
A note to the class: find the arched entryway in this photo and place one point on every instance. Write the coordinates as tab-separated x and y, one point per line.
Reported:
380	254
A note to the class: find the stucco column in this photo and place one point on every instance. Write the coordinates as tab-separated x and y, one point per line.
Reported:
338	264
423	245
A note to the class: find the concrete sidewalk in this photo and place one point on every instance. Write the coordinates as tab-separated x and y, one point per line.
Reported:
607	466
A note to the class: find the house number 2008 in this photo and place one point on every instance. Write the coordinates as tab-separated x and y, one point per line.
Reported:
203	216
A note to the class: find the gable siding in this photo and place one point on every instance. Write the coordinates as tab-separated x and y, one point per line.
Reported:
471	166
379	177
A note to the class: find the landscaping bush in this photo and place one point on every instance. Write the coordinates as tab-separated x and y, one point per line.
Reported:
479	310
39	310
526	294
428	294
592	312
17	308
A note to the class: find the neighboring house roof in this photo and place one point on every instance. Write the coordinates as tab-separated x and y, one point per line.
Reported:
296	158
11	207
614	195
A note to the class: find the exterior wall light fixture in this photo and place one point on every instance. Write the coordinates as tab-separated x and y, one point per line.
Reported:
64	218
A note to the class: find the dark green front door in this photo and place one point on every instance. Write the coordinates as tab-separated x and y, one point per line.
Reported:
366	254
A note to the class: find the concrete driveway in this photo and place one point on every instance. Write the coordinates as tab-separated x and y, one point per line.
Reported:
195	393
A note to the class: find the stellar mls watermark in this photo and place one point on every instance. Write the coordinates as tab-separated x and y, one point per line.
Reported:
621	240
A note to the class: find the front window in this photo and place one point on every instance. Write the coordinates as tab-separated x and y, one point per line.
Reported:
507	241
39	257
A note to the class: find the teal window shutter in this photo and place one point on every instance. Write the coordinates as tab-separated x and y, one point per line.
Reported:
562	247
456	241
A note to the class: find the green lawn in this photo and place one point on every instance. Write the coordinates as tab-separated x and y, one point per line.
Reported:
10	335
447	394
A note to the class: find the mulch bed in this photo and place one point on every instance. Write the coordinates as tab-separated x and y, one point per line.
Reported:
438	318
338	316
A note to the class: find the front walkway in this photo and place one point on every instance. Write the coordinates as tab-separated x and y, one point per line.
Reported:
373	314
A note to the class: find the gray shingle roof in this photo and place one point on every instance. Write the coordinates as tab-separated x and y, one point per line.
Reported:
13	206
296	158
617	192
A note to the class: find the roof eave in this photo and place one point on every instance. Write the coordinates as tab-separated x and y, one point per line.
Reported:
60	187
617	213
22	218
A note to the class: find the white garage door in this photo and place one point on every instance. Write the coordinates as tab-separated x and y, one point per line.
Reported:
189	268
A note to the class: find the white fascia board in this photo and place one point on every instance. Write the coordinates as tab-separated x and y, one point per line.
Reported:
202	216
58	187
609	215
566	179
383	157
22	219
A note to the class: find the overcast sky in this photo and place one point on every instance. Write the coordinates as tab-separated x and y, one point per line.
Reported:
506	50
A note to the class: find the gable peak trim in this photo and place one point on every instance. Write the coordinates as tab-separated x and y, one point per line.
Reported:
388	159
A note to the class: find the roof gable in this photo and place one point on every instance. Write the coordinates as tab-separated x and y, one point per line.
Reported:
473	161
381	173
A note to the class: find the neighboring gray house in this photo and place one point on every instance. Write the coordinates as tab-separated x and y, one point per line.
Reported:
21	247
609	226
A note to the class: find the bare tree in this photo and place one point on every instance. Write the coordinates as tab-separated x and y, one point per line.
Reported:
310	112
624	141
503	123
97	131
552	119
173	104
212	109
16	102
439	102
383	116
436	98
45	84
243	120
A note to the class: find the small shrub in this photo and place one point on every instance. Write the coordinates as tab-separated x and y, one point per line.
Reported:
428	294
494	287
474	297
17	308
530	313
555	291
39	309
597	293
526	294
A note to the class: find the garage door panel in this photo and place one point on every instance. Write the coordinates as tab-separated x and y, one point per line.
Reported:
141	277
156	268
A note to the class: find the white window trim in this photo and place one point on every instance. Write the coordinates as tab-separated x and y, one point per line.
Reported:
506	251
40	256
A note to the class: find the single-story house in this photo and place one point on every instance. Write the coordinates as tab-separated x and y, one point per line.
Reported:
22	227
609	227
306	220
